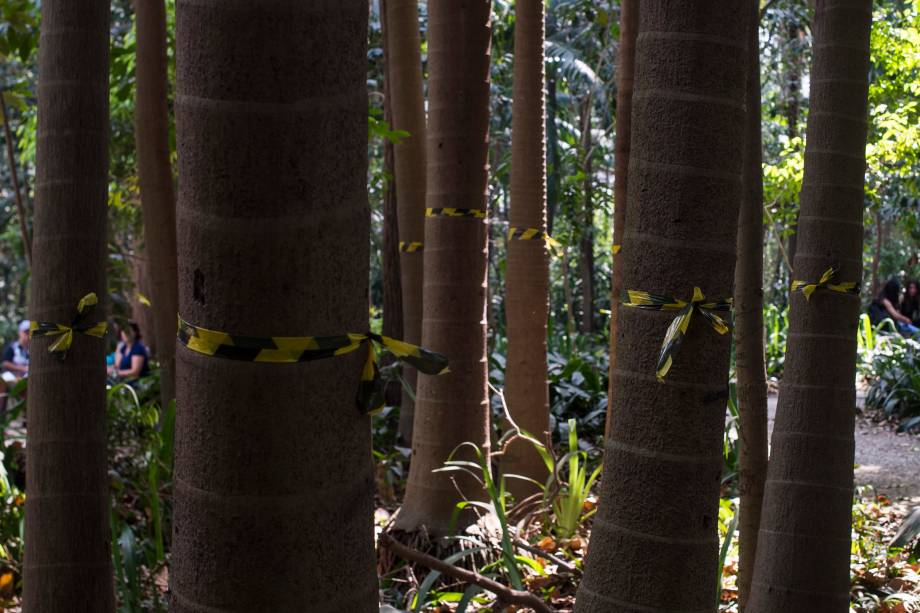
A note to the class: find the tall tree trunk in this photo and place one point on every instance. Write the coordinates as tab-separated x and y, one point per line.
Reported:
665	447
586	239
804	545
552	146
749	341
453	408
793	76
626	58
273	474
407	98
392	283
158	200
392	291
140	312
527	298
877	252
68	560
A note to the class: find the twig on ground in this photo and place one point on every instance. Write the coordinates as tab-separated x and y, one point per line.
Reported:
545	554
504	593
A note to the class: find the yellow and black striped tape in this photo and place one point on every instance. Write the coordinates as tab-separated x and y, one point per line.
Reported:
411	247
294	349
65	332
450	212
825	282
678	328
534	234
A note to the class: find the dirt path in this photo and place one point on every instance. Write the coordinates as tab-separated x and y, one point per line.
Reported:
888	461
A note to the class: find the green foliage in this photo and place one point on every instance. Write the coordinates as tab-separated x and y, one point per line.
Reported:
891	365
480	469
141	453
776	326
729	514
18	30
569	504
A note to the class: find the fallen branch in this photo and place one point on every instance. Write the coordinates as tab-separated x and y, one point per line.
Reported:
504	593
519	542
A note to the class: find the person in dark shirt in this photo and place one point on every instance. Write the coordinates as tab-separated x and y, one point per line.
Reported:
14	364
131	357
15	359
910	303
886	304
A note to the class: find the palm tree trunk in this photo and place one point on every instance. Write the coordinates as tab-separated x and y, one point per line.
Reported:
874	286
453	408
273	473
749	342
664	451
527	286
68	560
803	549
158	200
140	312
405	92
390	255
626	56
586	239
554	159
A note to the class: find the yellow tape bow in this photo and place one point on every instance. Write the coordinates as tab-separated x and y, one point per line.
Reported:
65	333
809	288
530	234
453	212
678	328
410	247
293	349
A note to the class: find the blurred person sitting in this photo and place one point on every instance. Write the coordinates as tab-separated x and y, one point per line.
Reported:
886	304
910	303
14	363
132	360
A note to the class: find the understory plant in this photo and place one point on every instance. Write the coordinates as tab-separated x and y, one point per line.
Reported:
891	366
569	508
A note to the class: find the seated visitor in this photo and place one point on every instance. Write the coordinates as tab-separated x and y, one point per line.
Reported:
131	357
14	364
910	303
15	360
886	304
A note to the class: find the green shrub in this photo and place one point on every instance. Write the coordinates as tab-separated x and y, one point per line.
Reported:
891	365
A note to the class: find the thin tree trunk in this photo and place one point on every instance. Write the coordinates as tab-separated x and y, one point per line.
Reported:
749	342
527	297
392	285
804	544
14	176
68	559
158	199
552	145
405	91
141	313
453	408
877	253
586	239
273	473
626	56
568	299
664	451
793	77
